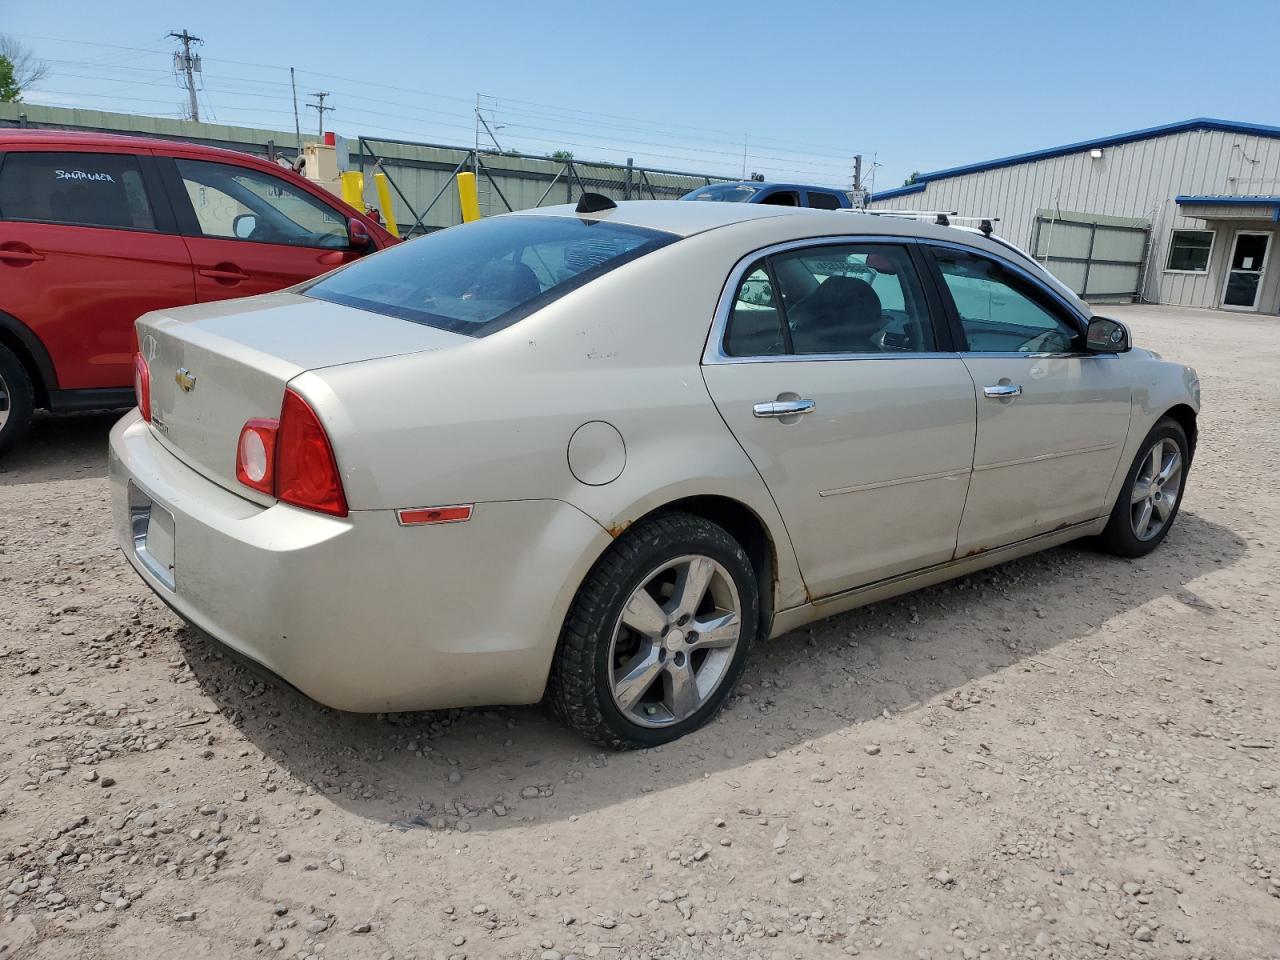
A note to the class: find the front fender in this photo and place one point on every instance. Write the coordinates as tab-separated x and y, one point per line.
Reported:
1158	387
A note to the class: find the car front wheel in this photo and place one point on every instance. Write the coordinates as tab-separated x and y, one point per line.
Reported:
658	634
1152	492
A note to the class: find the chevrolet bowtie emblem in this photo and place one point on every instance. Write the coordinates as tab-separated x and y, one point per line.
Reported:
185	379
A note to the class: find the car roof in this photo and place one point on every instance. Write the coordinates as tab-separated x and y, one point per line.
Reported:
82	138
672	216
686	219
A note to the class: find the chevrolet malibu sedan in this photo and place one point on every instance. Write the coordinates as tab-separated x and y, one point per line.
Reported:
593	455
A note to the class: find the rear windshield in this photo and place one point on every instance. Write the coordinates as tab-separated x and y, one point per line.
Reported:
725	192
477	278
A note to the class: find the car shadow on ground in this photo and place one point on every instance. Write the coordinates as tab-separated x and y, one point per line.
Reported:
68	446
416	769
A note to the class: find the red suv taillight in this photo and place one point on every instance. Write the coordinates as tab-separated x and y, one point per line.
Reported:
291	459
142	386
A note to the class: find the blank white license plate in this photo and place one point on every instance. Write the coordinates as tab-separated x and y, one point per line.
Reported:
153	535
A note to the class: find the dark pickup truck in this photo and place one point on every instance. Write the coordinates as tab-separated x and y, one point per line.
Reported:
781	194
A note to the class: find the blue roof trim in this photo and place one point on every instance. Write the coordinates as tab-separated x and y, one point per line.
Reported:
1164	130
1234	200
906	191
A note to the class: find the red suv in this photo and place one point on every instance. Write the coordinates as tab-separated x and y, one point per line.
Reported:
96	229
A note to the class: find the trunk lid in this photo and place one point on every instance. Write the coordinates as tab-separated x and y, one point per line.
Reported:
215	366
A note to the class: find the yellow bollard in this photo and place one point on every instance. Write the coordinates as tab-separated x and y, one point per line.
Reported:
353	189
467	197
384	202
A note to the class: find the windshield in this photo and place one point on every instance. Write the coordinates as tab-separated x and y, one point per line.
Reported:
477	278
725	192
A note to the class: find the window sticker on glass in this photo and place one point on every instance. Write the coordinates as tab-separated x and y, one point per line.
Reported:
83	175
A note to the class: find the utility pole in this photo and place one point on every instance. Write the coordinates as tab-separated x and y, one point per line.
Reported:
320	108
187	65
297	129
857	179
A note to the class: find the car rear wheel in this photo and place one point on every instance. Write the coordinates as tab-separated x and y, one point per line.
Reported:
1152	492
15	400
658	634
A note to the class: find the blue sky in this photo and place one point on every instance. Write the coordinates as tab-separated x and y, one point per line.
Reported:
919	85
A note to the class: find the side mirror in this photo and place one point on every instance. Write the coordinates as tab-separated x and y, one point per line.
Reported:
1107	336
358	237
244	225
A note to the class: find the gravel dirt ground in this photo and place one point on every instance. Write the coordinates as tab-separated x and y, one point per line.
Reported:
1067	756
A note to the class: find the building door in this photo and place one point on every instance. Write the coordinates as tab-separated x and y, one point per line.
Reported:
1099	257
1244	272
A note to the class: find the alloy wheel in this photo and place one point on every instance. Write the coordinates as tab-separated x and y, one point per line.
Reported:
1155	489
674	641
4	403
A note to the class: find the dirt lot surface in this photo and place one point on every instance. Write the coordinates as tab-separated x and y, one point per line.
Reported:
1068	756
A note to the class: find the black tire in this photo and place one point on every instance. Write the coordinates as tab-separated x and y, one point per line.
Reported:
580	685
1119	537
17	400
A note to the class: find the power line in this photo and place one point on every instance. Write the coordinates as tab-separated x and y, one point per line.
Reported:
567	114
559	125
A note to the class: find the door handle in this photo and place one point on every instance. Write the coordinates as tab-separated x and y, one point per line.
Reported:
783	408
21	256
224	273
1003	391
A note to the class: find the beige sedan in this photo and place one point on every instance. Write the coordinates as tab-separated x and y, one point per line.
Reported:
594	454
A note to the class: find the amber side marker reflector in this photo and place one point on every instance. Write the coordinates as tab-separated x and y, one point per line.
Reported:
417	516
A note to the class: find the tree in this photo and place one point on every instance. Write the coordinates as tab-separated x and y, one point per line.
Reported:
9	91
19	69
564	156
915	174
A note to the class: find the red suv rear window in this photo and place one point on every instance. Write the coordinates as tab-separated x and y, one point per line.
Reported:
85	189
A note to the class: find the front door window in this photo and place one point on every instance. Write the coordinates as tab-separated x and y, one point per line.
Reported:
1244	274
238	203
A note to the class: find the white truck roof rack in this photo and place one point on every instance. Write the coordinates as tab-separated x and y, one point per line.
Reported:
984	226
943	218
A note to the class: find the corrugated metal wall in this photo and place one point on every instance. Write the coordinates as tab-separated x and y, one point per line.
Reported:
1139	179
420	171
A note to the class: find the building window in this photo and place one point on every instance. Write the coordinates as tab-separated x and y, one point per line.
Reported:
1189	251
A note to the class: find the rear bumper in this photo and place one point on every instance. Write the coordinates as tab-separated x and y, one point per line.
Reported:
358	612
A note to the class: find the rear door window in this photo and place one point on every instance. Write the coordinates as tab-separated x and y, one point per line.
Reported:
848	299
821	200
477	278
79	189
783	198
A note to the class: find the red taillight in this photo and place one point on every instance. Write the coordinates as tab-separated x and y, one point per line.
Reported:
142	386
306	473
291	459
256	455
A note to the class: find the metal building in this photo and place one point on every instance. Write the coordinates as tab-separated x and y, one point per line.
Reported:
1186	213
